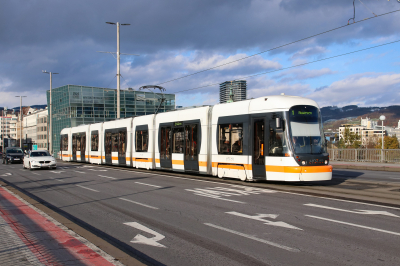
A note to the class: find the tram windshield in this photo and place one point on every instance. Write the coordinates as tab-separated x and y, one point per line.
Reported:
305	130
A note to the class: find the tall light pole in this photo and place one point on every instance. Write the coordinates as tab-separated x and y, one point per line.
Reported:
21	115
118	70
382	117
50	114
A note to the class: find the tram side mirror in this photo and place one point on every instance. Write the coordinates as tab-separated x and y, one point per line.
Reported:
278	122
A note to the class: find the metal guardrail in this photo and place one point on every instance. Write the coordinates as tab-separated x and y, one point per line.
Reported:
365	155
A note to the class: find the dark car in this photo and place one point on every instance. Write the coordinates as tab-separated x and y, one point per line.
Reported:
13	155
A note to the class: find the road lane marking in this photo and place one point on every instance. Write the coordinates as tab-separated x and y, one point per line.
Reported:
254	238
34	173
355	225
355	211
80	172
141	204
107	177
260	217
147	185
140	239
59	180
88	188
57	172
6	174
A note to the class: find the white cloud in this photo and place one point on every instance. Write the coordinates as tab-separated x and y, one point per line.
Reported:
309	51
362	89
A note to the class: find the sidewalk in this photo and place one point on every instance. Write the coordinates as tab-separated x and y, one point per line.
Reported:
30	237
389	167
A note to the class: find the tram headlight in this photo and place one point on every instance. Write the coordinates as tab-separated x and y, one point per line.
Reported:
303	163
326	161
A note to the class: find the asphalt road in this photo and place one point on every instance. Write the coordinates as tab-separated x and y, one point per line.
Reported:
172	220
381	176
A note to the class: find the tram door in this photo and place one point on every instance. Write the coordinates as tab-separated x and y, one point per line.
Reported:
258	153
191	157
74	145
83	147
108	147
165	147
122	146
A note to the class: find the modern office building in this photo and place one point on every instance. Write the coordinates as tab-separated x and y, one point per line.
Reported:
232	91
76	105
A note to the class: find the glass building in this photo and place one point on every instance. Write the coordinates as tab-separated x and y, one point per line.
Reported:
238	89
76	105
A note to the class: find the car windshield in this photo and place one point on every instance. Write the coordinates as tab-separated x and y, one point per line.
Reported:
39	153
15	151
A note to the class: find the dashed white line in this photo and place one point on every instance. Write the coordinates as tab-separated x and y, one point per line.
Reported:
107	177
355	225
147	184
87	188
80	172
34	173
254	238
141	204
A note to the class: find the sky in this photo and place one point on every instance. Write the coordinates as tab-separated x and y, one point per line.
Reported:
178	38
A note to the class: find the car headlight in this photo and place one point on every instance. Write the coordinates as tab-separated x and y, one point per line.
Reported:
33	161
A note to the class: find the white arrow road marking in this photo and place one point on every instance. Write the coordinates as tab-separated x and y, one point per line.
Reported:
144	240
355	225
254	238
57	172
260	217
6	174
355	211
107	176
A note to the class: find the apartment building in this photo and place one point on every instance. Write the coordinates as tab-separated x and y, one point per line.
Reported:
8	126
35	130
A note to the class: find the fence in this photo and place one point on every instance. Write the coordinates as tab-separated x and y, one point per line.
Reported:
365	155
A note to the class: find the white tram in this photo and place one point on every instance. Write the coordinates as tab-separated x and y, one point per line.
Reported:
276	138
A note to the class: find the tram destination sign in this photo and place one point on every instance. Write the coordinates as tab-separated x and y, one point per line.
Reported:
178	124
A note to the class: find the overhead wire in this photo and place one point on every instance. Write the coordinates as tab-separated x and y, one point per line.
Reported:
298	65
277	47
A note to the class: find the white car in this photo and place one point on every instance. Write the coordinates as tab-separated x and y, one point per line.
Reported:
39	159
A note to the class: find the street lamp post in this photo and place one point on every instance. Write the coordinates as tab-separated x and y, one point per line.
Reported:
118	70
382	118
50	114
21	115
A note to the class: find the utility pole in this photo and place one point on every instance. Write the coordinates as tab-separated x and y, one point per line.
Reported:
21	115
50	114
118	66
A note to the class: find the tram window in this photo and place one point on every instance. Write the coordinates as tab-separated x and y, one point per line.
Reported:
277	140
83	143
142	139
108	143
73	144
230	139
259	143
114	139
64	142
95	140
165	149
178	140
191	142
78	143
122	145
